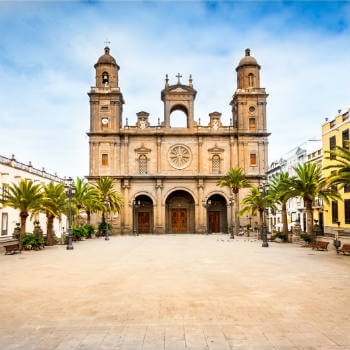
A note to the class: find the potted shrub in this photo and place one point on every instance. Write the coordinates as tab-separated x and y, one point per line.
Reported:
306	238
90	229
32	241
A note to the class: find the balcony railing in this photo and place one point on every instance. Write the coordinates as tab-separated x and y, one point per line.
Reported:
18	165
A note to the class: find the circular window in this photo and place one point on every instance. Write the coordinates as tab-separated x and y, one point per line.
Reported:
251	109
179	156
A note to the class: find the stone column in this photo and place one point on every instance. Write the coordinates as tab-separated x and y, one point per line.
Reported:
201	219
127	209
242	156
159	154
126	155
158	208
116	155
232	155
200	158
96	158
91	159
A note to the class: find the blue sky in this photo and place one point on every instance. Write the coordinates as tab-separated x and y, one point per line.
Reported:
48	50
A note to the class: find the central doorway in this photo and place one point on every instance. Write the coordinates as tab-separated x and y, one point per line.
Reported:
178	220
180	212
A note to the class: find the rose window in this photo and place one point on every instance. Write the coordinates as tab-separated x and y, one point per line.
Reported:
179	156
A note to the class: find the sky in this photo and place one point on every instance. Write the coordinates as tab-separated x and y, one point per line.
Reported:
48	50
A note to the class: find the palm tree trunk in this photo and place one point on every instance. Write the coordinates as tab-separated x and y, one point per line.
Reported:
88	214
236	199
23	217
309	218
49	231
284	220
261	223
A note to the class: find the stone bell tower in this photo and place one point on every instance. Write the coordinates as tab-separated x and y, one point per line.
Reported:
249	116
178	97
106	107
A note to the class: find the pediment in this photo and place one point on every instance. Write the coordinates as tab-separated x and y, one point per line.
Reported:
179	88
216	149
142	149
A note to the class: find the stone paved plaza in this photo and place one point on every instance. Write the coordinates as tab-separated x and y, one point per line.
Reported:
175	292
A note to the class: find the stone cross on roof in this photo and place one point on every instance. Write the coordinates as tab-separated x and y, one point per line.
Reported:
178	76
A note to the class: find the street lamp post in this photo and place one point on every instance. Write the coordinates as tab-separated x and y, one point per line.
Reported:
107	204
263	190
231	201
206	205
70	191
135	204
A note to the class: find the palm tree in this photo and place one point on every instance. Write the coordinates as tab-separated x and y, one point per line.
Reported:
340	165
281	190
84	196
309	184
24	196
92	205
106	192
255	203
53	204
235	180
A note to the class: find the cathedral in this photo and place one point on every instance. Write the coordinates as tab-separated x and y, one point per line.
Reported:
168	175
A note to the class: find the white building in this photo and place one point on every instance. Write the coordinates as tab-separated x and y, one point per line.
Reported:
310	150
11	171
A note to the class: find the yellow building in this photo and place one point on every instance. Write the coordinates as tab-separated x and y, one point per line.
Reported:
336	133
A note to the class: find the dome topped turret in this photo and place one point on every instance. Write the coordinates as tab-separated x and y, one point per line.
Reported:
106	58
248	72
106	71
248	60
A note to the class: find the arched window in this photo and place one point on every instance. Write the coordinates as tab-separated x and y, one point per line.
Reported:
105	78
252	125
216	164
142	164
251	79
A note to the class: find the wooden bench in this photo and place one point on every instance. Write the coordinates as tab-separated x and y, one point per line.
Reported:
12	249
344	249
319	245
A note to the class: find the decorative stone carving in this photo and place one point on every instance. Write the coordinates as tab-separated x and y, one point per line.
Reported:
215	120
142	120
179	156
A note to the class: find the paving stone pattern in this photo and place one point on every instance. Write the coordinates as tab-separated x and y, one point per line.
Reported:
175	292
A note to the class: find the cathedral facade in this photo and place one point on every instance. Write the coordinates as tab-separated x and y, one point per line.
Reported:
168	175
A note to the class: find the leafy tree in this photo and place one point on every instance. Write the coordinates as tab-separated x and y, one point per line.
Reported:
106	192
53	204
255	202
235	180
281	190
340	165
24	196
309	184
